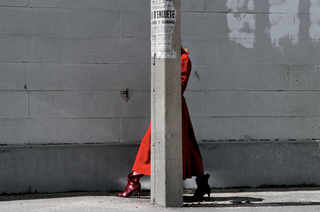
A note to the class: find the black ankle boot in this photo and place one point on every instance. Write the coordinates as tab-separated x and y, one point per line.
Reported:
202	187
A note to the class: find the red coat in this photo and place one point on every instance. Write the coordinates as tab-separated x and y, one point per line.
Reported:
192	160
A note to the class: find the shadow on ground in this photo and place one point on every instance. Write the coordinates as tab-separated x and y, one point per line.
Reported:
238	201
227	201
33	196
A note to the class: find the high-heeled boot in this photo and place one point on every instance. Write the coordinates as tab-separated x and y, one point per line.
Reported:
202	187
132	187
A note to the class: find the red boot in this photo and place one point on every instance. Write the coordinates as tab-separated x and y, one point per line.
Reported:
132	187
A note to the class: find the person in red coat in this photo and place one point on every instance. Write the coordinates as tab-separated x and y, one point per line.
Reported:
192	160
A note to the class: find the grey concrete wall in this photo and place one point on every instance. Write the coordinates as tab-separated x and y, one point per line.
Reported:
255	68
255	78
63	65
93	167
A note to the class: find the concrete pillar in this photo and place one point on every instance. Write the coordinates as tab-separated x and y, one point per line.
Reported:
166	143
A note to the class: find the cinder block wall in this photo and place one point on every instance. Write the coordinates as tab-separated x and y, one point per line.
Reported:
63	65
253	93
255	68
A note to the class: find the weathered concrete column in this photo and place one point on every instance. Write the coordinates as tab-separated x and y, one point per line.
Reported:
166	150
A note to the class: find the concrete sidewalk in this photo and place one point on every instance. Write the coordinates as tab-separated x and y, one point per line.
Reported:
290	201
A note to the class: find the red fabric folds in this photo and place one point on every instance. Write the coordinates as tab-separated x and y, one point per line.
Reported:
192	160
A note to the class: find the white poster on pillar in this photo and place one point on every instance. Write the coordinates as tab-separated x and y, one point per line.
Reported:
163	22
